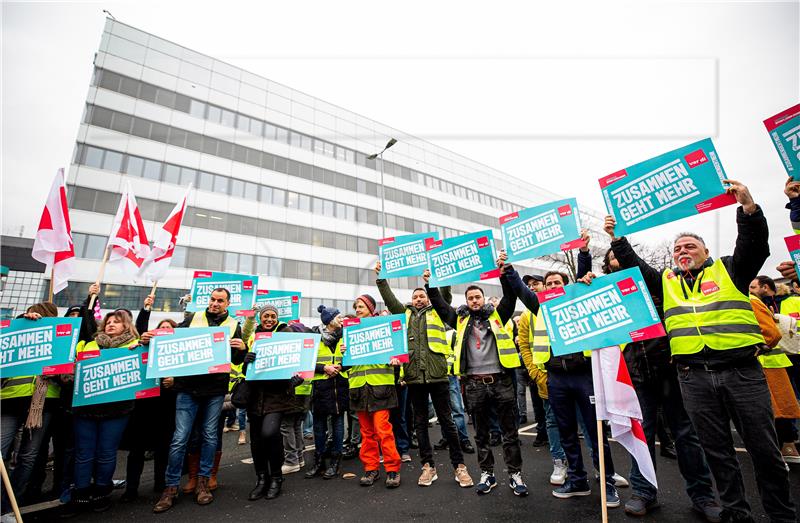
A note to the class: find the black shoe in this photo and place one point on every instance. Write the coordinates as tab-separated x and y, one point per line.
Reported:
259	490
101	499
79	503
467	448
274	488
712	511
668	451
494	440
440	445
349	452
541	439
414	444
638	506
129	495
318	468
333	467
523	420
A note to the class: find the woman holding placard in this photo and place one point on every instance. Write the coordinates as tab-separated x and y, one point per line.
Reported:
99	428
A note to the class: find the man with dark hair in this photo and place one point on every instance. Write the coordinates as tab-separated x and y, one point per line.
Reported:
485	355
714	337
225	291
570	389
656	384
425	374
200	397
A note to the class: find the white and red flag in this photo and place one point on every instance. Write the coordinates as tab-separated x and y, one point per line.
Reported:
128	242
53	244
166	237
616	401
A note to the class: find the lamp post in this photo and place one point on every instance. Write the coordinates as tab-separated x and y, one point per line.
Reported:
390	143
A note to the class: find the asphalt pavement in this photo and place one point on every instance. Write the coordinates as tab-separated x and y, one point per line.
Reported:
344	500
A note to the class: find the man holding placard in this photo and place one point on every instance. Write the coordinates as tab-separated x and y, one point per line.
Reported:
426	377
200	396
714	338
486	356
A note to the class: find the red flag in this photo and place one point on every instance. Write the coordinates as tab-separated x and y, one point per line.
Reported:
157	263
53	243
615	400
128	241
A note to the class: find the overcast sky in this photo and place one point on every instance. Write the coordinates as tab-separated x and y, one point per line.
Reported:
559	95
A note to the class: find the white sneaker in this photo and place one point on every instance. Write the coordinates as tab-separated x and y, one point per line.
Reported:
8	518
619	481
290	469
559	475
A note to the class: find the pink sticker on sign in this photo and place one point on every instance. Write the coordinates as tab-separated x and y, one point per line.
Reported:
508	217
574	244
550	294
219	336
247	285
308	343
87	355
5	324
483	242
64	368
782	117
494	273
648	333
262	292
214	369
397	325
565	210
202	274
717	202
605	181
696	158
163	332
262	335
246	312
145	356
386	241
63	330
627	286
153	392
295	299
431	244
351	321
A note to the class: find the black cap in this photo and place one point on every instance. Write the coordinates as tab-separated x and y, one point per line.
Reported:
527	278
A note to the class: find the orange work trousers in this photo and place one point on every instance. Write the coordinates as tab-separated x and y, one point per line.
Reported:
377	438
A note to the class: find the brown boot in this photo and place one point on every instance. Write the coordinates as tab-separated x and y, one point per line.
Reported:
204	496
212	481
194	469
166	501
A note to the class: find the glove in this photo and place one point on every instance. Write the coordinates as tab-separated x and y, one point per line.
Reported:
250	357
296	381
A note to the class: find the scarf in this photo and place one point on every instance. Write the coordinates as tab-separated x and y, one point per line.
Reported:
104	341
329	338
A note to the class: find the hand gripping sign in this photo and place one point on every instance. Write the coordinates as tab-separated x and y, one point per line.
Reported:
287	303
38	347
541	230
403	256
613	310
241	286
112	375
674	185
281	355
784	129
375	340
189	352
463	259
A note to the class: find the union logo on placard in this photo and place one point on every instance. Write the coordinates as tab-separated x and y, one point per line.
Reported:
397	325
219	336
64	330
627	286
696	158
483	241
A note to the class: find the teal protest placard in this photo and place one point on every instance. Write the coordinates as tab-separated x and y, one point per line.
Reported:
189	352
241	286
375	340
38	347
613	310
281	355
287	303
671	186
112	375
462	259
541	230
793	244
784	129
403	256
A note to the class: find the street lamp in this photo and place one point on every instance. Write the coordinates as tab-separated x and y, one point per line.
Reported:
390	143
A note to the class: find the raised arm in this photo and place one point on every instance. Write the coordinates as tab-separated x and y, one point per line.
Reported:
792	190
392	303
520	290
505	309
442	308
584	257
752	241
627	258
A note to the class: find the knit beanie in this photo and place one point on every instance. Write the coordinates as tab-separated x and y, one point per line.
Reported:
327	314
265	308
369	301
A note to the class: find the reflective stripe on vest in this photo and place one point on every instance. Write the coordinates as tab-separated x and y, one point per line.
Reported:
435	331
199	320
375	375
23	387
325	356
506	350
714	314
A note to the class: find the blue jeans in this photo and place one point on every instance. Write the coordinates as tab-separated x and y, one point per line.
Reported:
566	390
96	445
661	389
457	410
398	419
308	424
321	433
239	415
556	451
715	398
188	407
29	449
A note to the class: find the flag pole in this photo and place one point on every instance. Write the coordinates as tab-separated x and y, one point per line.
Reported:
9	491
100	276
52	276
153	294
602	465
